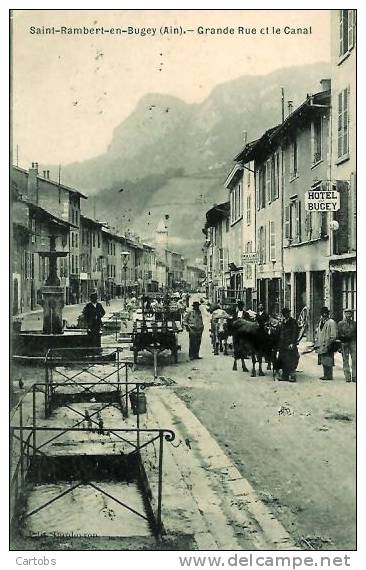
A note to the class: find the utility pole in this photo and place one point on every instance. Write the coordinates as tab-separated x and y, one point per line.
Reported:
283	103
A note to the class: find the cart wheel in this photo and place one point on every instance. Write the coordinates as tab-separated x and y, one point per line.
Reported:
135	355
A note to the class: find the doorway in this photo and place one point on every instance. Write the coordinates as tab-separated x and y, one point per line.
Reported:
317	300
300	293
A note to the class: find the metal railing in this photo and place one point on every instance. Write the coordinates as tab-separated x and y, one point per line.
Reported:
27	434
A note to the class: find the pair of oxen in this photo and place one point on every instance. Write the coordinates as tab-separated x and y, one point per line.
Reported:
250	340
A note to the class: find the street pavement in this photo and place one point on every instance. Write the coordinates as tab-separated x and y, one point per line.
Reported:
293	443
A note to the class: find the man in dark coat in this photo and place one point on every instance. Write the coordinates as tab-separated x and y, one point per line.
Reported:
240	312
288	354
93	313
261	317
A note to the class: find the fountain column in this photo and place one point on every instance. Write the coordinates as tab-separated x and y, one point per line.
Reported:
52	293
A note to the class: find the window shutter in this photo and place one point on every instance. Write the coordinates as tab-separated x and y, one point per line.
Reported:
298	220
287	222
341	241
264	245
340	32
340	118
351	26
345	121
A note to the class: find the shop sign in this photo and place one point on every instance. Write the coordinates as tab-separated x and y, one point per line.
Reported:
322	201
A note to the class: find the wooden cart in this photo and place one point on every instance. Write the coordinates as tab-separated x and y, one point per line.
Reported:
155	337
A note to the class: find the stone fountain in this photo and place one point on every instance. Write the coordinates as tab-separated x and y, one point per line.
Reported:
34	344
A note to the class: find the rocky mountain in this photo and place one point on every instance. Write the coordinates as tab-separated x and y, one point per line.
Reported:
172	157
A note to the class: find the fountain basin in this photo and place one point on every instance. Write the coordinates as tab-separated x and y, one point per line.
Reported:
35	344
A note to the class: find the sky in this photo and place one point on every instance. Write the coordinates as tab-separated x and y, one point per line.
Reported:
70	91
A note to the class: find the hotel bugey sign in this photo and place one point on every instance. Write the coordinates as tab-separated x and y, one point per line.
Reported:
322	200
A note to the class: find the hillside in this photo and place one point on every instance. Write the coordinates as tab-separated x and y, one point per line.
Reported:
167	153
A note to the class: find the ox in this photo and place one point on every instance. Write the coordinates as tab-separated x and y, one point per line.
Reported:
251	340
220	334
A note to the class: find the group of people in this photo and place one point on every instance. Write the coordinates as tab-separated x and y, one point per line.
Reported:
330	337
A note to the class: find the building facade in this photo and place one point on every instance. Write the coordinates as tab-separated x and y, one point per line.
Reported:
343	162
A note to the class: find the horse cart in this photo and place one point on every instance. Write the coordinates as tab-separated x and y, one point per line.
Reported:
155	337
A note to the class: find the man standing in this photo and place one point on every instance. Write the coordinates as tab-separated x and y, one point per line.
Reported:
240	312
194	325
347	330
261	317
326	335
93	313
288	355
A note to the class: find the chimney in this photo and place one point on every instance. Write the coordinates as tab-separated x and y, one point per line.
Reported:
245	137
326	84
290	105
48	174
32	184
44	174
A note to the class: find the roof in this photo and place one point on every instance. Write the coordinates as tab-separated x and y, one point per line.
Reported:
53	182
312	104
217	213
249	152
47	214
234	176
91	220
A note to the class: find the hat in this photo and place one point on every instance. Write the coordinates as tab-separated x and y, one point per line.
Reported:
195	303
286	311
325	311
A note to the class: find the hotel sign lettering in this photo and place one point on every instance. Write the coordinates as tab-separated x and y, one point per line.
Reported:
322	201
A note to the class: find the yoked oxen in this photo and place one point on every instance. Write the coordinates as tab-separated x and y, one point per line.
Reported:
255	342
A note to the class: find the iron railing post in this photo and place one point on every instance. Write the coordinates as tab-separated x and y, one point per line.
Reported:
21	442
138	416
34	419
160	480
46	392
126	388
118	375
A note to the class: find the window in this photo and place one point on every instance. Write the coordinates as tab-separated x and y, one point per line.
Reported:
293	221
33	230
274	177
221	258
294	159
93	239
76	264
343	122
73	263
262	245
76	240
249	210
347	30
317	136
31	261
268	180
261	187
248	266
236	203
72	239
98	239
309	225
272	241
